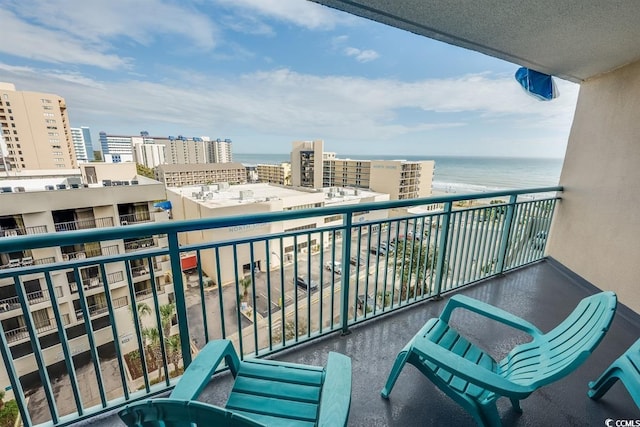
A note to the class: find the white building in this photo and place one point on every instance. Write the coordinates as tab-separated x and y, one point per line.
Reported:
211	201
82	146
149	154
55	204
219	151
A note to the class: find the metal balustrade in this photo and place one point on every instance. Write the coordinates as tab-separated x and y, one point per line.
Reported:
135	218
21	231
265	292
84	224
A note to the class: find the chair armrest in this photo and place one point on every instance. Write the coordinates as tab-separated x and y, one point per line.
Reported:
490	311
199	372
336	391
469	371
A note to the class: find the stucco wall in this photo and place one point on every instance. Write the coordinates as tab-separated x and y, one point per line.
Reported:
596	231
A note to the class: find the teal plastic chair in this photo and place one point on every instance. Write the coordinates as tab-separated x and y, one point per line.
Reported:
475	380
265	393
626	368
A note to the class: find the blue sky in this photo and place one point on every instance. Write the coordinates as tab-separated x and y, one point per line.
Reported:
265	73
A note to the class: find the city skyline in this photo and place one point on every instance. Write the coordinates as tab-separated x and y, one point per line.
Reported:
266	73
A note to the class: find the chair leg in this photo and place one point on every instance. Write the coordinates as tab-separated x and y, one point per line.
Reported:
487	415
599	387
516	405
401	360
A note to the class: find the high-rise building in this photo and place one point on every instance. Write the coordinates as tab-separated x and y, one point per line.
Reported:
116	144
147	153
152	151
219	151
82	145
306	164
35	129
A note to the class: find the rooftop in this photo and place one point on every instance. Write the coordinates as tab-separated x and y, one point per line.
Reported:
264	192
543	293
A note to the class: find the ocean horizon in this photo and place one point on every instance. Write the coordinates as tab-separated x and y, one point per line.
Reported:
460	174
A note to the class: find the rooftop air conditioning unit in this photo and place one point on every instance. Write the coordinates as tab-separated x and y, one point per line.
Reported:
6	190
49	187
134	182
61	187
19	189
204	188
106	182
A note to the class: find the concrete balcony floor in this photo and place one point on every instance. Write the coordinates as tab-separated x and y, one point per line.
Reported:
542	293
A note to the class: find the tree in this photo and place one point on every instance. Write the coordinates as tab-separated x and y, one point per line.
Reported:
152	342
145	171
97	156
174	350
414	263
143	309
167	311
245	282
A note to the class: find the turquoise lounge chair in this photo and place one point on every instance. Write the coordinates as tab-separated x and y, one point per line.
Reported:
625	368
472	378
265	393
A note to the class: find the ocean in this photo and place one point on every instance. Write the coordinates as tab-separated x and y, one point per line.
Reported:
461	174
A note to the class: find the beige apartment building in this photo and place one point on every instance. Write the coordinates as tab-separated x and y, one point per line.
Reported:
210	202
35	129
401	179
208	173
50	205
306	164
274	174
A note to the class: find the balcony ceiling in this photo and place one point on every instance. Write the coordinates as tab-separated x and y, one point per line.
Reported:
565	38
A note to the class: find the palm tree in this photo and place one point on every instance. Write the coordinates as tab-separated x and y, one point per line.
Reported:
167	312
415	261
143	309
173	344
152	342
245	282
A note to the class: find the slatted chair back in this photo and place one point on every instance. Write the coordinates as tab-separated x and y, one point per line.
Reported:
553	355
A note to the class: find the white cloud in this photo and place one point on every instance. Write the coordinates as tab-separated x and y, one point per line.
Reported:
81	32
282	102
361	55
301	13
22	39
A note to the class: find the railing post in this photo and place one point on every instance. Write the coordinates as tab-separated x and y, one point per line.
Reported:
344	289
442	248
181	301
504	243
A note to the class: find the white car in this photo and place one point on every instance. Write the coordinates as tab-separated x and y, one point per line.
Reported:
336	267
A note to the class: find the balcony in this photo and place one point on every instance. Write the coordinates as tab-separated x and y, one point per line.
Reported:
84	224
135	218
139	244
491	251
549	293
21	231
35	297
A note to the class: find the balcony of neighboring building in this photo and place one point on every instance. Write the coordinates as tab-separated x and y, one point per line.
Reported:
13	225
87	250
78	219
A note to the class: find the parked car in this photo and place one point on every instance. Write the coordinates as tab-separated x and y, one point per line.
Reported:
354	260
336	267
302	283
383	248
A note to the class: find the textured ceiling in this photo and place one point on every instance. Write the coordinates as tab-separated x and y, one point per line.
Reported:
571	39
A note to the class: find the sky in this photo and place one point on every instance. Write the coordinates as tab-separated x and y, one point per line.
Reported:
265	73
